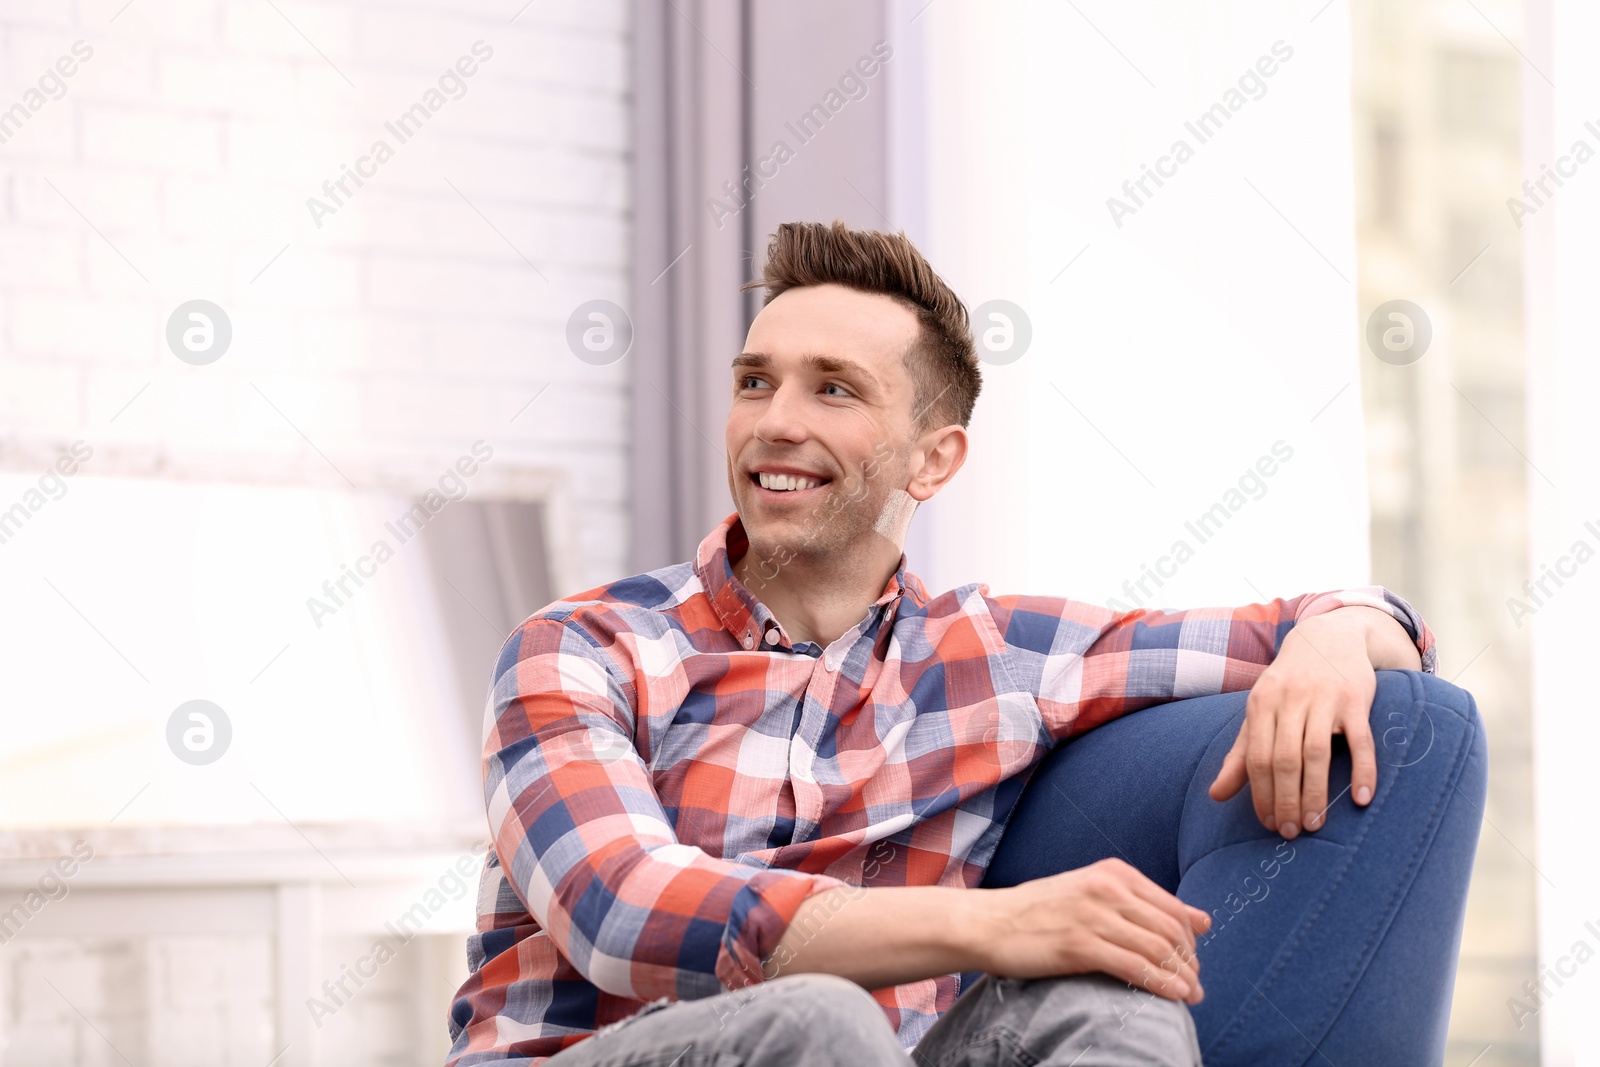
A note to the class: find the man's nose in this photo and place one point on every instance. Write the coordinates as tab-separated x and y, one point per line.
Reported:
783	419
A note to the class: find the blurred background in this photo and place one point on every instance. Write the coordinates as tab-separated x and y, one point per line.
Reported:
339	336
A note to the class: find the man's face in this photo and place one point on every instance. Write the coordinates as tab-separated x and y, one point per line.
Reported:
820	393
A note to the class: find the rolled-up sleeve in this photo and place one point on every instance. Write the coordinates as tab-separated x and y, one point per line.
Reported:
1090	664
586	844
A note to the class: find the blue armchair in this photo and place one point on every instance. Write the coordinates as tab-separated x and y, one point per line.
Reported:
1339	946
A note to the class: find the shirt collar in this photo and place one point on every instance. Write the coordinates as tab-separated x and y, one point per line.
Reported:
744	616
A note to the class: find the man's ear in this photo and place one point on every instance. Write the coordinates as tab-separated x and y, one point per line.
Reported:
943	452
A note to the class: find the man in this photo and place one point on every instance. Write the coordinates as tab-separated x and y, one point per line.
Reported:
729	797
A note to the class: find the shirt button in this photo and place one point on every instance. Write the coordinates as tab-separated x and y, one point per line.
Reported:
749	640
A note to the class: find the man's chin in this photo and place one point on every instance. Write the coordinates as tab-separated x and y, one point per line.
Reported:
781	537
758	513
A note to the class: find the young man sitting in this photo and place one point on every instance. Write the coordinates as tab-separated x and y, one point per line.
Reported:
742	806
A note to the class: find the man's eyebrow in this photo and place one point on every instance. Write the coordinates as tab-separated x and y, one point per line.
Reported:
820	363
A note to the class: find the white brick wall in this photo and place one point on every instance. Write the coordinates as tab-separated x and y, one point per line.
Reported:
201	1001
116	971
178	164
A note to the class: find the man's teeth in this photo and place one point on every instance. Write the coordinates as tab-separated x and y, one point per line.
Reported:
786	482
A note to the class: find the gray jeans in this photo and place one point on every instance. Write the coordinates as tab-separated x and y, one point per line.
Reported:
812	1020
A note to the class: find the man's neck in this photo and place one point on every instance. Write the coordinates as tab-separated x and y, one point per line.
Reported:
818	601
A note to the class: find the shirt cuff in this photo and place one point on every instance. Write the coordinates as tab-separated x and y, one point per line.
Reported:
1376	596
761	914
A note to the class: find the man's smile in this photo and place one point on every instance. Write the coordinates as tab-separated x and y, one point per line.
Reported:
775	482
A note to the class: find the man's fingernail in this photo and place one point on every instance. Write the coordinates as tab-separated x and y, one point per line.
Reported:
1289	829
1363	795
1313	820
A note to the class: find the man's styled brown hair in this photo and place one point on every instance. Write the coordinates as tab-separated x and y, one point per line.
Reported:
942	363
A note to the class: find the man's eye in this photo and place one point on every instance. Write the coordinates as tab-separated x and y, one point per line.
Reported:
842	389
744	383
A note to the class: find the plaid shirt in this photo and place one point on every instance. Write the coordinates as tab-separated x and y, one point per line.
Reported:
668	776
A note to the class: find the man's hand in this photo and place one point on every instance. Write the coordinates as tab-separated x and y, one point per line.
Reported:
1104	917
1321	683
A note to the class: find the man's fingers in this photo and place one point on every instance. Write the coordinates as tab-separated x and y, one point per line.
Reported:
1136	971
1261	726
1288	761
1167	964
1143	934
1363	760
1233	775
1318	753
1167	919
1161	919
1191	919
1261	723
